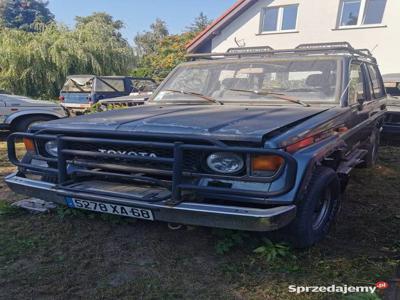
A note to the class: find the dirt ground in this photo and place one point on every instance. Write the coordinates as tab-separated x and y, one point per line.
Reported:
74	255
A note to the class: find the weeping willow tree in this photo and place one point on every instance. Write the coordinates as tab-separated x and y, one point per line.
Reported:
37	63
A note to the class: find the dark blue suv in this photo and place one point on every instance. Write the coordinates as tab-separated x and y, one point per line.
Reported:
253	139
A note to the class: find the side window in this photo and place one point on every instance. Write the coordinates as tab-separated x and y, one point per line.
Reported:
377	89
110	85
356	84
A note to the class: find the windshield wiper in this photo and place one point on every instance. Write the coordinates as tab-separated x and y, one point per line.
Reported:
209	99
277	95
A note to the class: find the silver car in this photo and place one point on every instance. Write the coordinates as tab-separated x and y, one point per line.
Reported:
19	113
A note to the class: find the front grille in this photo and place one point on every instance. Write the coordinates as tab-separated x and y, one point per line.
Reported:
193	160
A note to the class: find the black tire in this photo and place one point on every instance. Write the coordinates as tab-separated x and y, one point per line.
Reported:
316	211
23	124
371	157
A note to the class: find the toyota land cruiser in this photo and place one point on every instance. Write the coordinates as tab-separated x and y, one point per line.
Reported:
253	139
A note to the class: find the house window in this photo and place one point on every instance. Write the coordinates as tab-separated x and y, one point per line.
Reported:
279	18
361	12
374	10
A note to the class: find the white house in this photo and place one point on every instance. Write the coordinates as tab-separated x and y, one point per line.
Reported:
283	24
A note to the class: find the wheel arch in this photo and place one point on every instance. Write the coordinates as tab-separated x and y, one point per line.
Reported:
329	156
13	121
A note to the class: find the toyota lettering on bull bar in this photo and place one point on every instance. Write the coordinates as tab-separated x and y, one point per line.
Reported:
130	153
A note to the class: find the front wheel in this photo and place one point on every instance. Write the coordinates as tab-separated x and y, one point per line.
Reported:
317	210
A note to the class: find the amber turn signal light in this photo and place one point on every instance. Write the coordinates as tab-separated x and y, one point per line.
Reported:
268	163
29	145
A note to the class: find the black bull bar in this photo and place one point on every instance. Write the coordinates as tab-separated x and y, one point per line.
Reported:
176	171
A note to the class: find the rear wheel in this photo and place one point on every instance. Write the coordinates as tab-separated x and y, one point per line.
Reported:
24	124
371	157
317	211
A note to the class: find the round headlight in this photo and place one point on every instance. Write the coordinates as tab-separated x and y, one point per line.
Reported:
51	148
225	163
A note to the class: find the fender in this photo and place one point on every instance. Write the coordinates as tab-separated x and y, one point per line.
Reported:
313	157
55	112
318	152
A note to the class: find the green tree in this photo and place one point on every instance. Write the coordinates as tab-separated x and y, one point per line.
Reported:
36	64
169	52
158	52
199	24
101	19
27	15
147	42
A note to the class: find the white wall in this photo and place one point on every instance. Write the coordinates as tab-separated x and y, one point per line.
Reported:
317	22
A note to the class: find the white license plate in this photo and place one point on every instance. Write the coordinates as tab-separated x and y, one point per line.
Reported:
113	209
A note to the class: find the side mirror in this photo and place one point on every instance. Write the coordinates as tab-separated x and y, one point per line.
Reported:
360	98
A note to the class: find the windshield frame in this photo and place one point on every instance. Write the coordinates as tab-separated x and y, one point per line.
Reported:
339	80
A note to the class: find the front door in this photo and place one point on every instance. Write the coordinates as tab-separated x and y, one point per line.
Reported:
357	97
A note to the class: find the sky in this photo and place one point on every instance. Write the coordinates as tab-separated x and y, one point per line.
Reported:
139	14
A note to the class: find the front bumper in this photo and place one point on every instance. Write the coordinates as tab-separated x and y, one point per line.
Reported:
209	215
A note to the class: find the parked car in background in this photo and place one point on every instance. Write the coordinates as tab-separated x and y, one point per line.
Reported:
391	128
19	113
254	139
143	89
80	92
392	83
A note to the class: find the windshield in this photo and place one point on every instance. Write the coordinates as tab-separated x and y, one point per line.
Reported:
78	85
312	80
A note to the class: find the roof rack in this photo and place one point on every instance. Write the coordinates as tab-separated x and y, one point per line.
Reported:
316	48
325	45
250	50
336	46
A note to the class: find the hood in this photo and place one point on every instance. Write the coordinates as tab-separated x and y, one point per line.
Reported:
13	100
228	122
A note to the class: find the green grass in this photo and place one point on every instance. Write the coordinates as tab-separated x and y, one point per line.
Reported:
67	254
